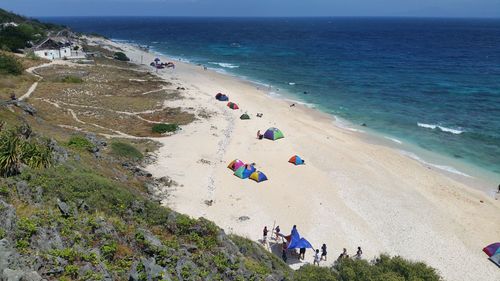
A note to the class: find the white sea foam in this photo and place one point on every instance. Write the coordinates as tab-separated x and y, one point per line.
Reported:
442	128
225	65
291	83
441	167
394	140
341	123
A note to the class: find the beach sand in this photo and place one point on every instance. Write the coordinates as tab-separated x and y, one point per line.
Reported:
351	192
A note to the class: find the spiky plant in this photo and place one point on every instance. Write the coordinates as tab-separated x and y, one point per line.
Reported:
10	153
36	155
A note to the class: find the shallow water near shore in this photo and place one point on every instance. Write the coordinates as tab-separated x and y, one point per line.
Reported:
429	83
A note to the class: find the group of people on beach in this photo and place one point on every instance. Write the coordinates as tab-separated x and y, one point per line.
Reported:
318	256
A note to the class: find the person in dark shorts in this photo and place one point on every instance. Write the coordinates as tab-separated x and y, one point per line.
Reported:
359	253
323	252
302	252
277	230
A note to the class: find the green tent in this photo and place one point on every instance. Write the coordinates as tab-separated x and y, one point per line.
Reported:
244	116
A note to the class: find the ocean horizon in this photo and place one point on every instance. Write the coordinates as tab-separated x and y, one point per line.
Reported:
431	83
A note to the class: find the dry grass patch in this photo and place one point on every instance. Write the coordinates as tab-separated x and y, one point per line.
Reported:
18	85
170	115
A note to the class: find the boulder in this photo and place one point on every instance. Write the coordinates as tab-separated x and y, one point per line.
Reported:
63	208
25	107
8	215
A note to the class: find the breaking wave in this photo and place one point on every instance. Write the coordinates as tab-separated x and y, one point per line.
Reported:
441	128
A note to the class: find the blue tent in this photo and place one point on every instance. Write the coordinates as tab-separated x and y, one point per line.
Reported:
297	242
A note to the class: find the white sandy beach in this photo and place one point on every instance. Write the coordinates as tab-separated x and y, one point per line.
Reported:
350	193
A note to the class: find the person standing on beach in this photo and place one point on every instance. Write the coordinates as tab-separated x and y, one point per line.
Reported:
264	235
343	255
283	252
323	252
277	230
302	253
358	253
317	258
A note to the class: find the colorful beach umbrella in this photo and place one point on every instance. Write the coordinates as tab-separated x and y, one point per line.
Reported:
235	164
258	176
492	249
296	160
232	105
244	116
243	173
273	134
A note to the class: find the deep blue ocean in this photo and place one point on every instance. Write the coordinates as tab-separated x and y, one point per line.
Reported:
433	83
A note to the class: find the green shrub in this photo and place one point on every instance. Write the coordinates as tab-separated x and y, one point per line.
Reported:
120	56
2	233
36	155
125	150
15	38
71	79
108	250
81	143
15	150
10	65
71	270
313	273
164	128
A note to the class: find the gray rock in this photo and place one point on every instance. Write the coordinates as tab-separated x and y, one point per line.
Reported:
59	153
133	275
25	107
8	215
64	208
23	190
150	239
38	194
12	275
31	276
243	218
6	252
47	239
82	205
152	270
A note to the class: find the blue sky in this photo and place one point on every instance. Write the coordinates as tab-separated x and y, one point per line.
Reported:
426	8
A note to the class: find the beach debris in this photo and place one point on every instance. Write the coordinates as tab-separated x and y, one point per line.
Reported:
243	218
204	161
209	202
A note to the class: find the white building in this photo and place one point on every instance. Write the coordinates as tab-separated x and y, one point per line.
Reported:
53	49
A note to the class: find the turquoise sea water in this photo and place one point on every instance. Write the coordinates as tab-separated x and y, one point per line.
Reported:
431	83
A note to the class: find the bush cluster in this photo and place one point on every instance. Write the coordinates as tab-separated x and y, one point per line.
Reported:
164	128
71	79
120	56
81	143
125	150
9	65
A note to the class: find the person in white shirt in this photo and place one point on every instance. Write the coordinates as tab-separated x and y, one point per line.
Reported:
317	257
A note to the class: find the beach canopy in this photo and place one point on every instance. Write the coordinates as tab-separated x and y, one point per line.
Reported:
258	176
232	105
492	249
235	164
495	259
243	173
273	134
244	116
296	160
297	242
221	97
